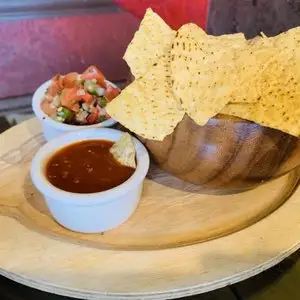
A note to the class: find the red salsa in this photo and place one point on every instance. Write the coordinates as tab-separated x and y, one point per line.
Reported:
86	167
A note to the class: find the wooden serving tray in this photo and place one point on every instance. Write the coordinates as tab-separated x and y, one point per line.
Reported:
172	213
30	255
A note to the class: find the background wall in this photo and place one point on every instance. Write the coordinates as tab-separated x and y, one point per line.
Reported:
32	51
39	38
252	16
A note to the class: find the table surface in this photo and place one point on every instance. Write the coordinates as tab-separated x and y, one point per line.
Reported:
282	281
279	283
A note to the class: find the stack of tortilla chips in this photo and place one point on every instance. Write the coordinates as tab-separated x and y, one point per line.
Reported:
190	72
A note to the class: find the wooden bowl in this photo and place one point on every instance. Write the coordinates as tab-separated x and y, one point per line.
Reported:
227	153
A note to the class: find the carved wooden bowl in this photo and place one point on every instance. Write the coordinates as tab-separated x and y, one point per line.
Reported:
227	153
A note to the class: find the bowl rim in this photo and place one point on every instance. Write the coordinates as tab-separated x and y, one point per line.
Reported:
36	107
37	169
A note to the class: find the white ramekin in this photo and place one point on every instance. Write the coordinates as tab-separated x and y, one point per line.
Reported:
51	128
95	212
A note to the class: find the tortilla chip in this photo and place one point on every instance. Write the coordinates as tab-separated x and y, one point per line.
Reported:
147	106
250	64
124	151
258	80
266	115
149	44
279	106
242	61
287	40
203	70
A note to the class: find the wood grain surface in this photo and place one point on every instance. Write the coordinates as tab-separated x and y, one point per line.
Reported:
233	155
229	154
172	213
54	265
10	290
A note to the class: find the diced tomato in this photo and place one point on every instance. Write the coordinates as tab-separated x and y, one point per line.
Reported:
75	107
111	92
58	79
53	89
55	86
96	111
69	99
93	73
87	98
93	118
70	80
47	108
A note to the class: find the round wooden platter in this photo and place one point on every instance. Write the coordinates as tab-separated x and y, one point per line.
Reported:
36	251
172	213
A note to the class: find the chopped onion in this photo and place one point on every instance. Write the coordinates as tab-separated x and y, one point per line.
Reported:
48	98
81	116
86	107
102	111
56	101
80	92
100	91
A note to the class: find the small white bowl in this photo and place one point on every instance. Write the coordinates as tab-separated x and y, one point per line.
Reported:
51	128
94	212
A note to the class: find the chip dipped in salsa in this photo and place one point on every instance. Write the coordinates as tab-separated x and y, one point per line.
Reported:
86	167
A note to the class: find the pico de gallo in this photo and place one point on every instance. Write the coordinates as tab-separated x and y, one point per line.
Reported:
79	99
